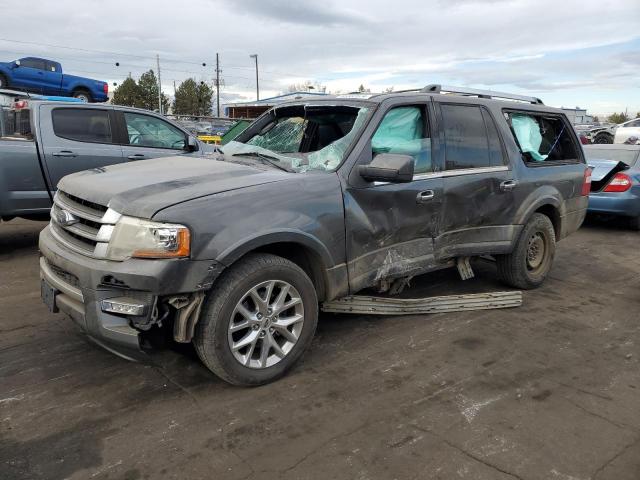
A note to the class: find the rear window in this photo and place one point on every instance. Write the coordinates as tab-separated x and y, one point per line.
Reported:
82	124
619	155
543	138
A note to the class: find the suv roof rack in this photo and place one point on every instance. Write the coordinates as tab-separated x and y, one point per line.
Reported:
436	88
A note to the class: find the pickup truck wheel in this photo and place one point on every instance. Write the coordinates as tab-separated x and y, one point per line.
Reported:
3	82
82	95
257	321
530	262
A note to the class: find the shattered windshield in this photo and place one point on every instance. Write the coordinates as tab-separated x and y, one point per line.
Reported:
301	138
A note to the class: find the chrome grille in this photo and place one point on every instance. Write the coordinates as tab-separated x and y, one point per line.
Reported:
83	226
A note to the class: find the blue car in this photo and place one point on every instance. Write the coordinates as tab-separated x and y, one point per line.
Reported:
615	180
45	77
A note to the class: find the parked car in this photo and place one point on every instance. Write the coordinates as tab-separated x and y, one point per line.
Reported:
315	200
41	141
42	76
615	181
627	130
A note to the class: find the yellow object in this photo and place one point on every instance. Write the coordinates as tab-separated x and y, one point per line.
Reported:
210	138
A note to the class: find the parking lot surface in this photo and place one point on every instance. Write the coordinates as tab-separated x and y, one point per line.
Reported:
549	390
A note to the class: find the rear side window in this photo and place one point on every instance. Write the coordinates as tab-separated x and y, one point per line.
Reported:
82	125
543	138
471	138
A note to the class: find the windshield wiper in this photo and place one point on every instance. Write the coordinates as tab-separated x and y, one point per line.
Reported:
265	159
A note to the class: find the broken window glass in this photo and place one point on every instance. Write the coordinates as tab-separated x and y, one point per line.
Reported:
284	135
543	138
305	137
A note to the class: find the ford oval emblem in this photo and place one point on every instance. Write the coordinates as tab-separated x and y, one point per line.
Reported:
65	218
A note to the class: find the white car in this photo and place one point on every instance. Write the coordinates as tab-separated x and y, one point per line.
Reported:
630	128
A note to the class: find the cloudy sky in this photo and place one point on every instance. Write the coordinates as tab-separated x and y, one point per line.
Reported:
569	53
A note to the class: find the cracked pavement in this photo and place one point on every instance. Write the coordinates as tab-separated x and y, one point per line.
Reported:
549	390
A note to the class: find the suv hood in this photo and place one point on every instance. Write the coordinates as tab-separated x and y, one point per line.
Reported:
143	188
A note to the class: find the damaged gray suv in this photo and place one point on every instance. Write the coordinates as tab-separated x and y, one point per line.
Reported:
315	201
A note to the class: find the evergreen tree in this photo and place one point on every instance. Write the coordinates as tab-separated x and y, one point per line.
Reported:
127	94
193	98
148	87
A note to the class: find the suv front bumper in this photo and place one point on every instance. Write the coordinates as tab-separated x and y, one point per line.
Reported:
81	283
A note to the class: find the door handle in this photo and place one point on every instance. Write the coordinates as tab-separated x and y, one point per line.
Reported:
424	197
508	185
136	156
64	153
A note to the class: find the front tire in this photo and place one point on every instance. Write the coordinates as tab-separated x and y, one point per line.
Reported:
257	321
603	138
3	81
531	260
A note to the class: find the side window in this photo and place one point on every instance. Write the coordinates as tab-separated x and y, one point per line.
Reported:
148	131
467	144
542	138
51	67
403	130
32	63
82	124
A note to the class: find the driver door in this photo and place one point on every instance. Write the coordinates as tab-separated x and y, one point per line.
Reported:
391	227
147	136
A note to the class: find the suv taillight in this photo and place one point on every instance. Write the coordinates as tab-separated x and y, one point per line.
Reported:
586	182
105	87
619	183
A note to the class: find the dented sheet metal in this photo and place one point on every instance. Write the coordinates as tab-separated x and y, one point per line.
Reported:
411	306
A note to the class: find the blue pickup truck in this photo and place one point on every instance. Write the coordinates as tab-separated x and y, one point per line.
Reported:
38	75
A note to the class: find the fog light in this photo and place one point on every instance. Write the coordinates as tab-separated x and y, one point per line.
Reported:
124	306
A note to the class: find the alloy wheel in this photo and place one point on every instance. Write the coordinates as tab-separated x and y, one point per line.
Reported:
266	324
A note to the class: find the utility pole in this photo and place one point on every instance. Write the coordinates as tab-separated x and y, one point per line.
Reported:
159	85
255	56
218	85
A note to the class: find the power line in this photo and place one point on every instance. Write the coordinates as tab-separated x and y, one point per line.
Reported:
88	50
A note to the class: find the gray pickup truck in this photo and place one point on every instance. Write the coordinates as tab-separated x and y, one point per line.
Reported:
42	141
316	200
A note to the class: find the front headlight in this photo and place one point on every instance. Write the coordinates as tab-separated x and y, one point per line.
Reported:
135	237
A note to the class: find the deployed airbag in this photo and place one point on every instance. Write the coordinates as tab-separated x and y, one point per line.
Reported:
527	132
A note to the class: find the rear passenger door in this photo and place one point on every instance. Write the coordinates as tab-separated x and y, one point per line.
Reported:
76	138
479	206
148	136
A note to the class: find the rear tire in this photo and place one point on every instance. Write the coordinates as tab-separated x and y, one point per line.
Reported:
634	223
531	260
83	95
233	315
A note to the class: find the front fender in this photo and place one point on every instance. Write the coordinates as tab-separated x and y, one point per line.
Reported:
262	239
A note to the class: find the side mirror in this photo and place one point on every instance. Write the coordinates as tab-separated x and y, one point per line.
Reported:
16	64
192	144
388	167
